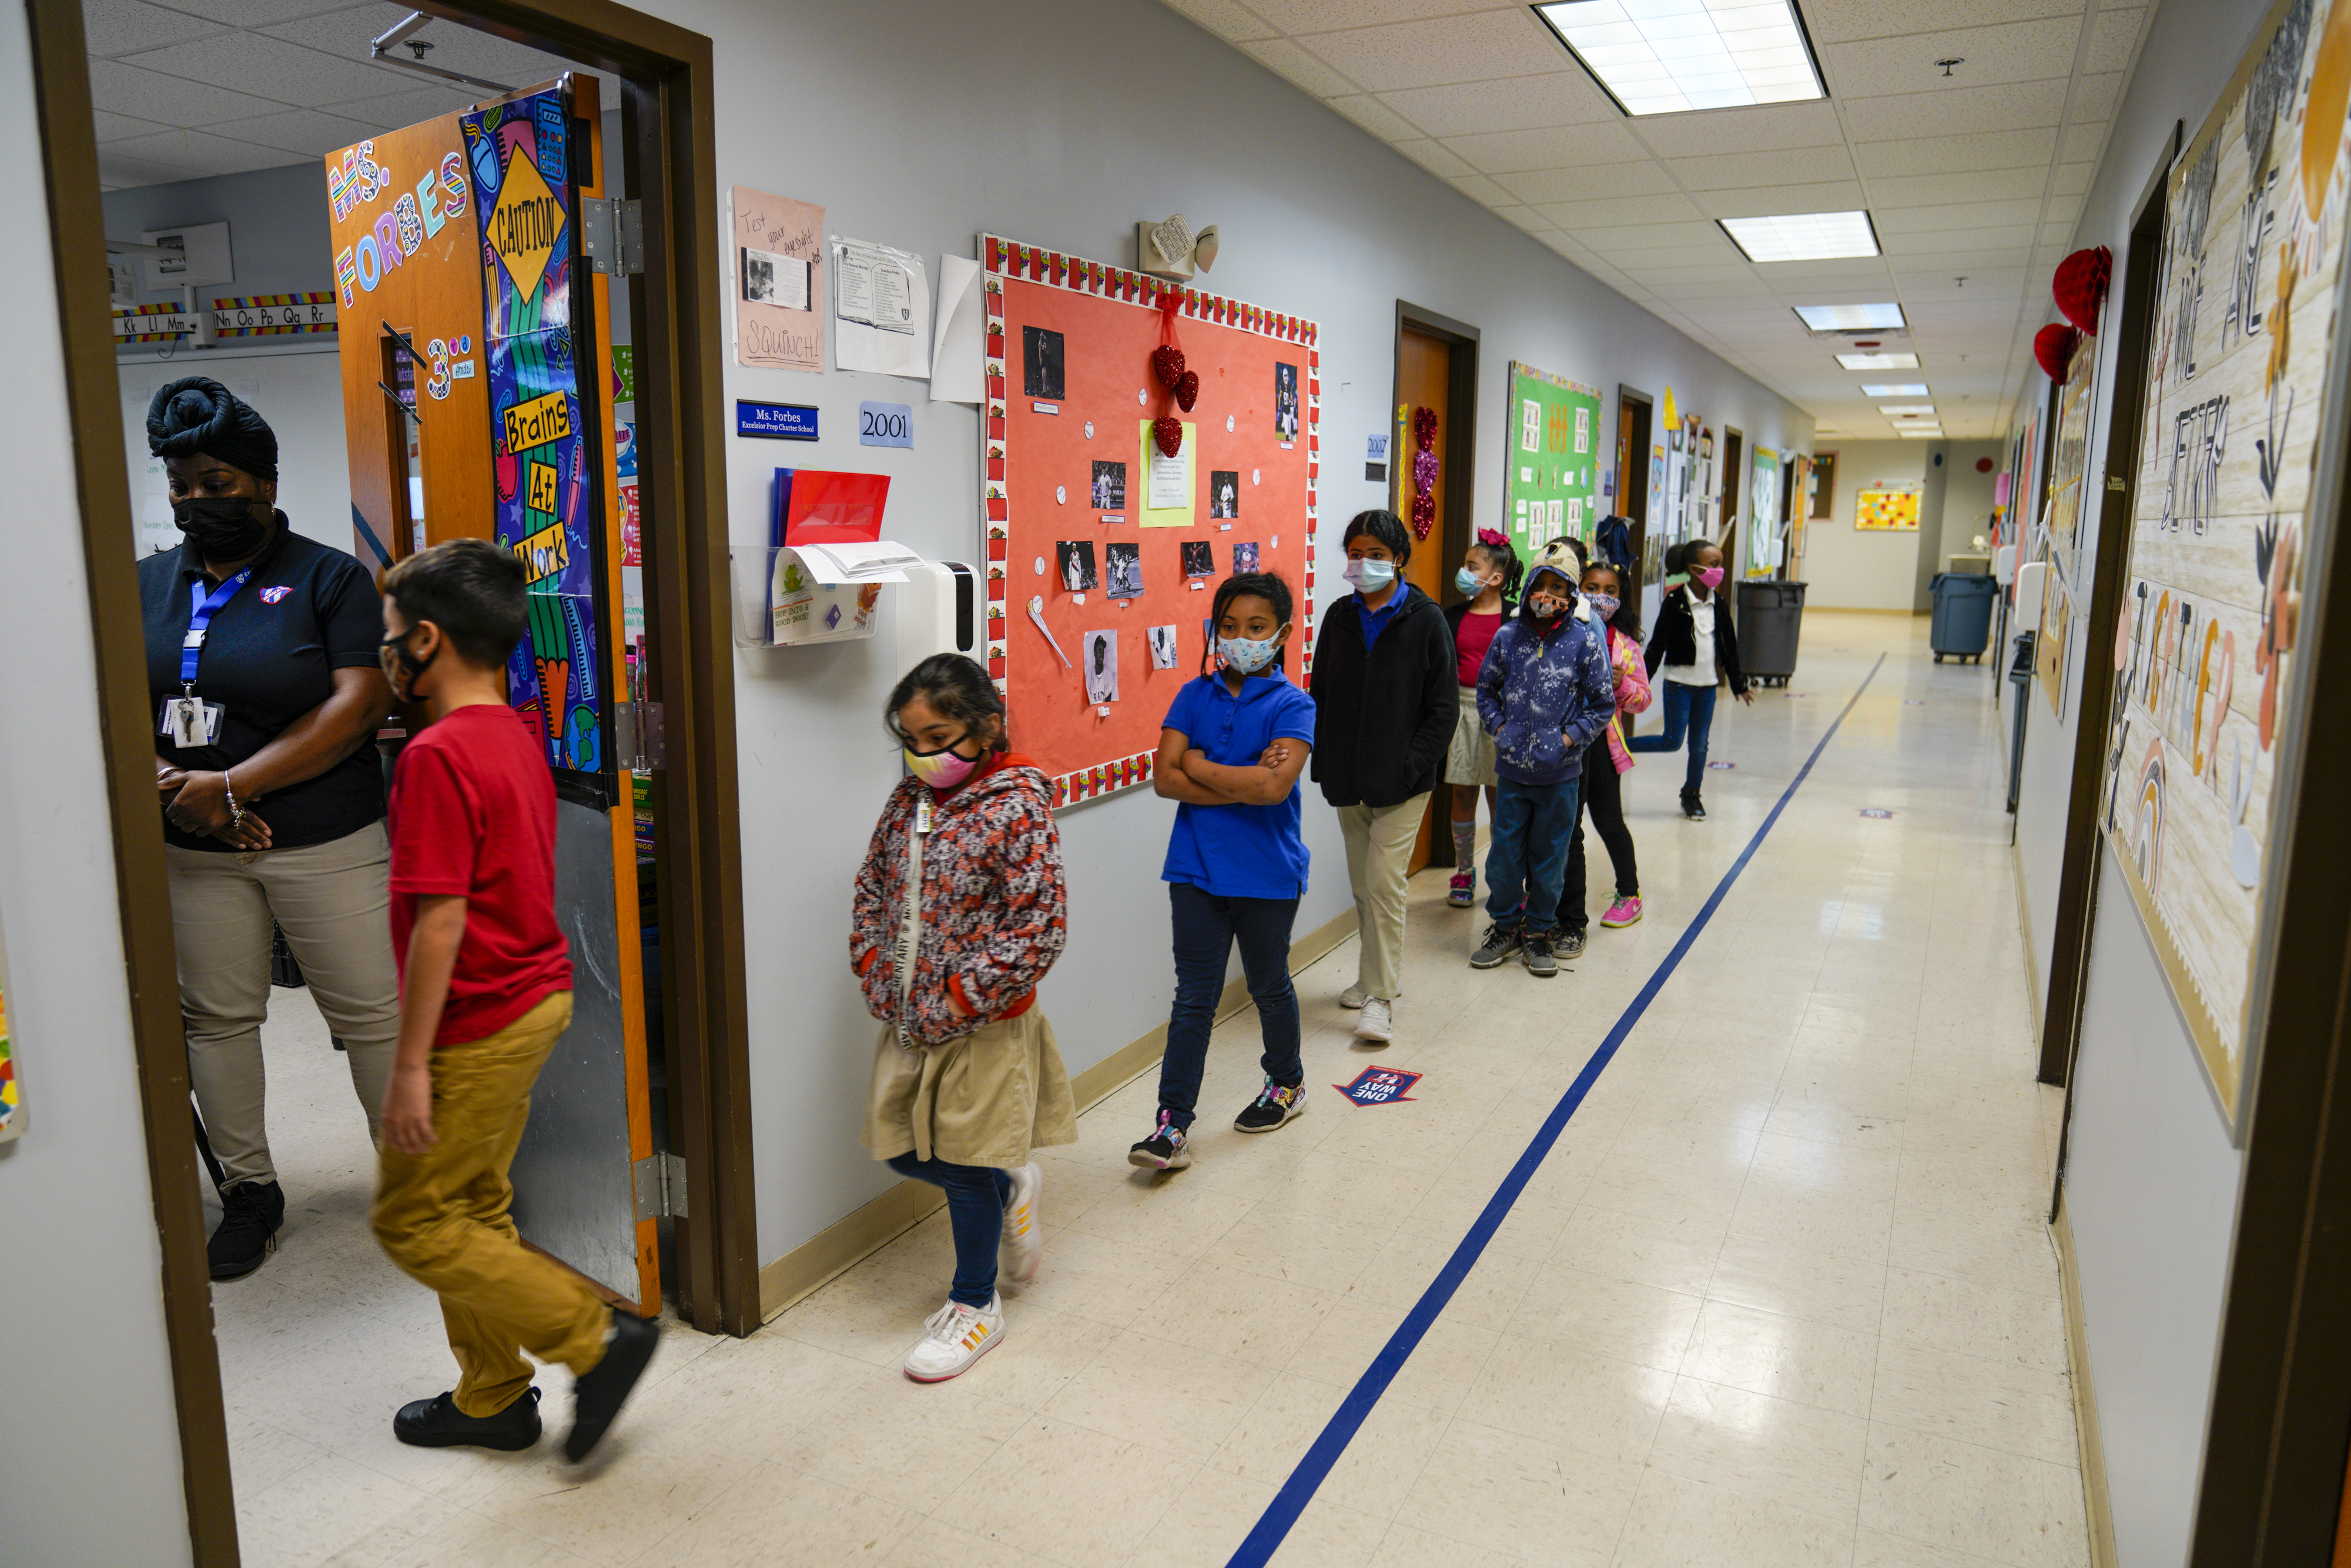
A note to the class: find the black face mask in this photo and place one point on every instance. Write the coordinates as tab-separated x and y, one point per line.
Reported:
223	527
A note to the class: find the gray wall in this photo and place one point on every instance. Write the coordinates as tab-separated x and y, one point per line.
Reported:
89	1454
1850	569
2151	1178
1025	119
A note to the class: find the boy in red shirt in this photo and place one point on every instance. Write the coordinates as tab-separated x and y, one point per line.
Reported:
486	987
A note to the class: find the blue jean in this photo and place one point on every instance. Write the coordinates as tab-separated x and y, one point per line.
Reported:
1533	826
975	1198
1207	927
1688	708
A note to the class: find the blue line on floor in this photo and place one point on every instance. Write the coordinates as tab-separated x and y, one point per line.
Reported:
1299	1491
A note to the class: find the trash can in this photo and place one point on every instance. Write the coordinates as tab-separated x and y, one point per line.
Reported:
1963	605
1771	617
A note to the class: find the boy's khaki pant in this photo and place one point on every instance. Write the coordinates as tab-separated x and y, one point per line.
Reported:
442	1217
1379	840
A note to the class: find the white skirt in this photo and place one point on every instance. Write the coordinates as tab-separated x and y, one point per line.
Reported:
1470	759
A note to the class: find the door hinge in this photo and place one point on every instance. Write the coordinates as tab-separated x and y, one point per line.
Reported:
660	1181
638	742
612	235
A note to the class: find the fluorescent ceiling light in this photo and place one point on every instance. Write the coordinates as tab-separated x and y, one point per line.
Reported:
1909	430
1878	361
1851	318
1895	389
1804	237
1668	56
1907	410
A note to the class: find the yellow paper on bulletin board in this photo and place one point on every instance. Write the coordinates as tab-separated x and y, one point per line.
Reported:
1153	466
1887	511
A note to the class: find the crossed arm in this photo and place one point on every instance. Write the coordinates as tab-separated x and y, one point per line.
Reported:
1183	772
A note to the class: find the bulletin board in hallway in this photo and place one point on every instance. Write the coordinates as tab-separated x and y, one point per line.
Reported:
1099	571
1551	474
2232	515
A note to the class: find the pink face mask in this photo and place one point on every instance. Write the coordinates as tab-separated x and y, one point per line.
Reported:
1712	577
940	769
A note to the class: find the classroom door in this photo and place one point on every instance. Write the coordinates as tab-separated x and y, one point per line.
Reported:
461	237
1633	490
1424	379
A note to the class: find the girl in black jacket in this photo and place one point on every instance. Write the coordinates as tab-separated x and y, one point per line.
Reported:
1384	706
1697	645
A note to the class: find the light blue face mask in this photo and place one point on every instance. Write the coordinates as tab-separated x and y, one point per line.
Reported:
1468	582
1369	576
1248	654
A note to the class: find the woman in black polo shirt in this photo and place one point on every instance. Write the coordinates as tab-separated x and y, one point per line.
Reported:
261	662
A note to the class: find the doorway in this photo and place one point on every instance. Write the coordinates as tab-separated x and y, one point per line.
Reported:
1634	462
1436	372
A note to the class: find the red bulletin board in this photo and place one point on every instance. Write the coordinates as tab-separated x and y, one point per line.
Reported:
1038	491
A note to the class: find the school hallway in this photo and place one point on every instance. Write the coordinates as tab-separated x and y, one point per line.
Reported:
1780	1294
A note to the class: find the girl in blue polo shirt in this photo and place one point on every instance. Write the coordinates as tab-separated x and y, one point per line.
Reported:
1229	756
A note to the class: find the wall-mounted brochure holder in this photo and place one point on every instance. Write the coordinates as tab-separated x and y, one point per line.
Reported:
791	595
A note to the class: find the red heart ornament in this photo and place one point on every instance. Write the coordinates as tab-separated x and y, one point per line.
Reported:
1187	390
1168	364
2080	286
2053	347
1168	432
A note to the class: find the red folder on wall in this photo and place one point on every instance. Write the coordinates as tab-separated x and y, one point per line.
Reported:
815	506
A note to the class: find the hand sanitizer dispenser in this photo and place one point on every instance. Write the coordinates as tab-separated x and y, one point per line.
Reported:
938	611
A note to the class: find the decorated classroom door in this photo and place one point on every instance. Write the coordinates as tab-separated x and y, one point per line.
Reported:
476	408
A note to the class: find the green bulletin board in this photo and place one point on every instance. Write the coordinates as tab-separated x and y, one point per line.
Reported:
1551	475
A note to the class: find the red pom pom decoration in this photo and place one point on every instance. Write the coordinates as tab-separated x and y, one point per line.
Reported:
2080	286
1168	364
1423	516
1168	432
2053	347
1187	390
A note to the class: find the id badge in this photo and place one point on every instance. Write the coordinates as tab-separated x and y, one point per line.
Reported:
190	722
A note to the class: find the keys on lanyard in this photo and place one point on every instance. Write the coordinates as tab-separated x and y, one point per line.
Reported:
187	719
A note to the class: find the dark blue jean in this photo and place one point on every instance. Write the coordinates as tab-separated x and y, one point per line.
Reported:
1688	708
975	1198
1533	826
1207	927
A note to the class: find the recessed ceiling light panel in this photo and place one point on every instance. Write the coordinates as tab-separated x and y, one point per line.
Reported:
1895	389
1802	237
1907	410
1878	361
1669	57
1911	432
1850	318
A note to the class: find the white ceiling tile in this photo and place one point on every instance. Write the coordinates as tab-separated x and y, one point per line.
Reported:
2064	211
1953	220
1970	264
2009	107
1436	158
1229	21
1841	20
254	13
1554	147
1530	219
1476	48
115	127
1979	185
1645	236
2095	97
2017	51
1765	201
1511	103
299	131
203	152
2114	38
127	89
118	173
1739	170
2072	178
295	75
2083	140
1906	248
1956	154
409	107
1639	261
345	34
1765	127
1376	117
1478	188
1547	185
1284	56
1663	207
126	27
1323	15
1938	286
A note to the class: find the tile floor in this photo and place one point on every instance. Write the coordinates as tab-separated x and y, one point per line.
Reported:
1781	1295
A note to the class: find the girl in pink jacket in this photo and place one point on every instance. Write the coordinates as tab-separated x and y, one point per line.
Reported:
1603	761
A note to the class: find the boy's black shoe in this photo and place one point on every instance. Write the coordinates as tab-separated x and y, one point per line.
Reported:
600	1392
1501	942
437	1423
1692	806
1536	954
1567	942
251	1212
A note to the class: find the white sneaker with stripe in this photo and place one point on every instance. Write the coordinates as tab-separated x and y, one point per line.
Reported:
1023	1247
953	1338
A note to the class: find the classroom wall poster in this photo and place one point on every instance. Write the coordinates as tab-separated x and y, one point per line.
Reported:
1892	509
1550	476
2241	407
779	267
1764	493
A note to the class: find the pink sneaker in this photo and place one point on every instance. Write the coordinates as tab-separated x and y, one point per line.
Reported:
1623	911
1463	889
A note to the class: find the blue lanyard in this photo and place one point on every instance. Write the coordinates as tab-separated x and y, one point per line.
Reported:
201	611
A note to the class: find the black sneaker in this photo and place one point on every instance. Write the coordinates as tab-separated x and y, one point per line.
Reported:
1501	942
1567	942
437	1423
598	1393
1692	806
1536	954
1166	1149
1279	1104
251	1213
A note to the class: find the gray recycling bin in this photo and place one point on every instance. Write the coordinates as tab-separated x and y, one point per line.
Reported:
1771	618
1963	605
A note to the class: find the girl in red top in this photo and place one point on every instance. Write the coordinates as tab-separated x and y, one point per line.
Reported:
1490	578
959	910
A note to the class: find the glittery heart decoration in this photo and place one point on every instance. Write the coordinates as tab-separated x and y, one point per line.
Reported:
1168	364
1187	390
1423	516
1168	432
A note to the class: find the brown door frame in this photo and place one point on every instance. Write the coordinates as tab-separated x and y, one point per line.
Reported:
1460	479
1632	464
670	148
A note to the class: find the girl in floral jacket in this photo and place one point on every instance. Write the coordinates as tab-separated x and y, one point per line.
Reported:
966	1077
1604	763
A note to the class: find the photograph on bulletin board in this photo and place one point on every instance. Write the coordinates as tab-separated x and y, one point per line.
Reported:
1143	442
1550	483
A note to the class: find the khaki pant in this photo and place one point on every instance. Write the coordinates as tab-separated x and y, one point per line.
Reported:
329	900
442	1217
1379	853
986	1099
